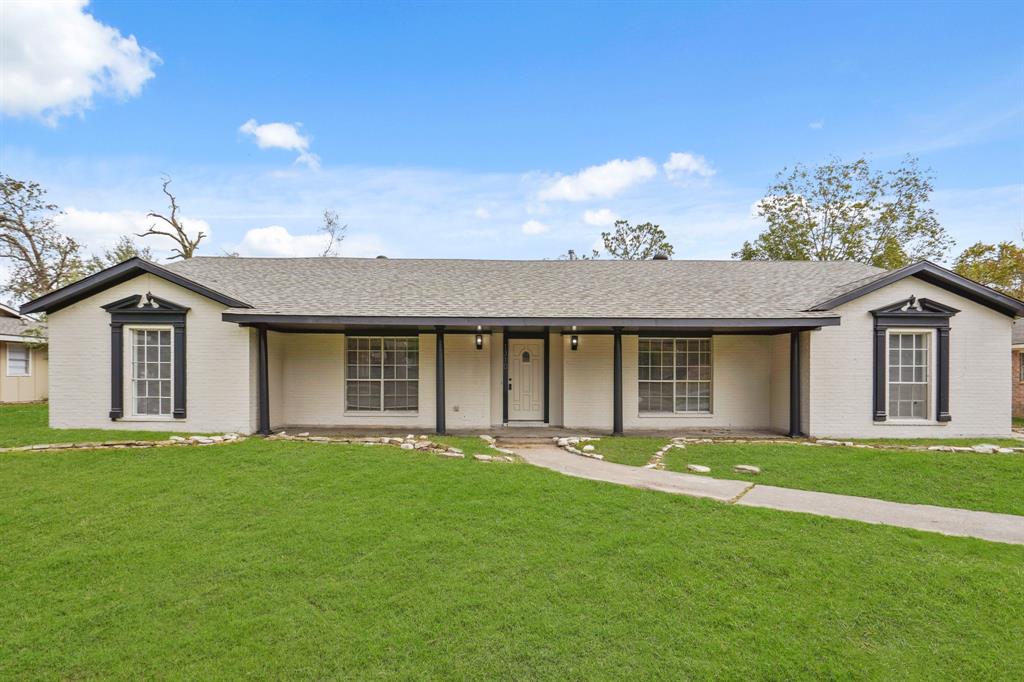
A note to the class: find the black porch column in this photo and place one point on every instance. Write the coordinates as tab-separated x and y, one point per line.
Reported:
942	375
794	385
439	404
617	382
263	382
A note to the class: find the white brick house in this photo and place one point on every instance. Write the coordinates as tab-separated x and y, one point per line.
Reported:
249	345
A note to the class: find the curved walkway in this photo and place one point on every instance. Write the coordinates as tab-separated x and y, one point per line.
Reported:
1007	528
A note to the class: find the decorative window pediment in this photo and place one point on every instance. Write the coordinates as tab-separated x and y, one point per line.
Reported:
915	312
142	305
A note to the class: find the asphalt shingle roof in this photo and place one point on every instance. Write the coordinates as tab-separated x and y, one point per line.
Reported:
534	289
13	326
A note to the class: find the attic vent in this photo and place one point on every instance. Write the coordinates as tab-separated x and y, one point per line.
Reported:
660	256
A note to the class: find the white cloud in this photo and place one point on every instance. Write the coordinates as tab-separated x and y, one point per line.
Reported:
282	136
599	217
277	241
600	182
55	57
687	163
100	230
534	227
816	125
482	213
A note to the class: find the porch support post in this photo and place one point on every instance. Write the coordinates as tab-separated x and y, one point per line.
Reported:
794	385
942	375
617	382
439	403
263	383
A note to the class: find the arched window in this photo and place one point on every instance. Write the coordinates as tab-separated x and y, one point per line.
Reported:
526	357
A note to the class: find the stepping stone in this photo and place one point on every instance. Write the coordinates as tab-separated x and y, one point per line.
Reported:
746	469
698	468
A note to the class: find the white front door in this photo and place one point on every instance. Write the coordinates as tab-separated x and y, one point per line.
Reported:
525	379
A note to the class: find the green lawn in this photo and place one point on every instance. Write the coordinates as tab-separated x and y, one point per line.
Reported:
304	560
1018	422
26	424
633	450
967	480
471	445
962	442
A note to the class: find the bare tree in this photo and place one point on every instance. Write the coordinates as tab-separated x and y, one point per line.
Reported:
335	232
186	245
43	258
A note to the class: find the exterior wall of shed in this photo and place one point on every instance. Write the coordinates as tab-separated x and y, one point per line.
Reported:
841	370
217	364
31	388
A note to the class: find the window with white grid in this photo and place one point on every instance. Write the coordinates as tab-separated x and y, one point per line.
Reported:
909	375
674	375
18	360
151	372
382	374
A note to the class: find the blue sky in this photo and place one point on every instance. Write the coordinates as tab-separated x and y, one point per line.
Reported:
466	130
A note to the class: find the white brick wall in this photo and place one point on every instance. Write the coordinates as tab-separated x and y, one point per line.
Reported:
217	364
587	383
467	382
979	385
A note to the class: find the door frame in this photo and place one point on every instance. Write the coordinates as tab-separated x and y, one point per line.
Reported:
546	337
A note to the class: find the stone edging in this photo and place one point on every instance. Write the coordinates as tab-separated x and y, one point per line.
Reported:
421	443
569	443
173	441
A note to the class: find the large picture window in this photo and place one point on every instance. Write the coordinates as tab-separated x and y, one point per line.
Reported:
151	372
909	375
675	375
382	374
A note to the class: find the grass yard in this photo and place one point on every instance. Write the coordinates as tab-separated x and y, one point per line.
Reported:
632	450
471	445
26	424
306	560
1018	422
962	442
948	479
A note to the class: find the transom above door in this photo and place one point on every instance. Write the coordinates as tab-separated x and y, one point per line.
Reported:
525	380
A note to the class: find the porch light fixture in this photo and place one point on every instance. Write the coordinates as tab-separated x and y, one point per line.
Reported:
574	342
479	341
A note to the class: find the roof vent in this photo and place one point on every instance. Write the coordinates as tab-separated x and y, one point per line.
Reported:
661	255
382	257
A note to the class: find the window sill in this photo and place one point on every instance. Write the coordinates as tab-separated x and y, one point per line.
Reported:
149	418
18	376
911	422
679	415
375	413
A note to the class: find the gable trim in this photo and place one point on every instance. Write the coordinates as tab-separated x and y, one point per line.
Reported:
941	277
122	272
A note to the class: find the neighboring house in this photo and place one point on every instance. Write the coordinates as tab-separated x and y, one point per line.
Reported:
1018	369
254	344
24	375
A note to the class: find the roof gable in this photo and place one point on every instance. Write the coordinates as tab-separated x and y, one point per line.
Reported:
122	272
933	274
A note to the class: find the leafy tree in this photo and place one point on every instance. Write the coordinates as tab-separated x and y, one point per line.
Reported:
847	211
334	230
124	249
636	242
1000	266
43	259
186	245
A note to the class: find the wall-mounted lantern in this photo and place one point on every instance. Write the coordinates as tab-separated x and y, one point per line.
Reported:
479	341
574	342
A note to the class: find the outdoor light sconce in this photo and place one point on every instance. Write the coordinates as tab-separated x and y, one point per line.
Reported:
574	342
479	341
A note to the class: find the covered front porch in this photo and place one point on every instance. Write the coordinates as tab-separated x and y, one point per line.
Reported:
517	377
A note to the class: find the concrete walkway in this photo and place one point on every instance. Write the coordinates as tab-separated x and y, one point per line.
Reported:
1007	528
